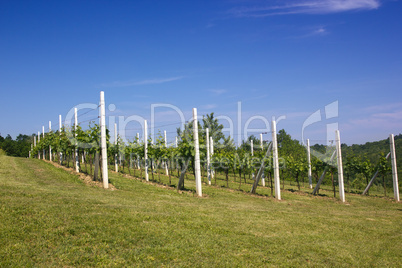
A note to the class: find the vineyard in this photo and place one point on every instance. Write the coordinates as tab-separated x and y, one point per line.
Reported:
221	163
55	215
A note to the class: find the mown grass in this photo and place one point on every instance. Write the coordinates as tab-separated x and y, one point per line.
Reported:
48	217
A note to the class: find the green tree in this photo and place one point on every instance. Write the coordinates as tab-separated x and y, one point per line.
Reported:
215	128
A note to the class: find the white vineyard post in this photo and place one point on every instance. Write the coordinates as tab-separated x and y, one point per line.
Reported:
50	147
394	168
252	152
116	168
340	168
34	141
105	173
263	174
32	146
261	144
138	158
176	142
77	161
43	136
276	163
166	162
61	154
211	144
38	143
208	159
146	149
197	154
310	179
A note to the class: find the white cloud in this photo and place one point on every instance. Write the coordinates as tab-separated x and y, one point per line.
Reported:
209	106
319	31
142	82
385	121
218	91
381	108
305	7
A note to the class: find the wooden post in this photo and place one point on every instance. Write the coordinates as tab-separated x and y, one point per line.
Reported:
340	168
208	157
77	160
373	178
276	164
96	168
197	154
105	173
146	149
261	170
394	168
115	143
317	187
310	179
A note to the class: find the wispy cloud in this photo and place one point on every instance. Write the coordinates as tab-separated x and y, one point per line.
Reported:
311	32
385	120
305	7
383	108
208	106
317	31
218	92
142	82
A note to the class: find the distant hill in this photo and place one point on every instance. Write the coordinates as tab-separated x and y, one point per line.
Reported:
373	150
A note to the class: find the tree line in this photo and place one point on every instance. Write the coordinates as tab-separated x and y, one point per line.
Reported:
19	147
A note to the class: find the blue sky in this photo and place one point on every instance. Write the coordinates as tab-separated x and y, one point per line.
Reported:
277	58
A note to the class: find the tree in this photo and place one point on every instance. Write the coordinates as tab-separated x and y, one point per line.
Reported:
215	129
19	147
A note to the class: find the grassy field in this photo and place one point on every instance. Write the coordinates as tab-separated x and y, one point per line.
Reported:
49	217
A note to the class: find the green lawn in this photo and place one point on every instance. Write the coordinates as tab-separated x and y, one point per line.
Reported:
48	217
